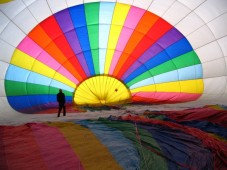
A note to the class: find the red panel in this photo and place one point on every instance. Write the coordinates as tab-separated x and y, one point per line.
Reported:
163	97
21	149
144	25
55	148
53	30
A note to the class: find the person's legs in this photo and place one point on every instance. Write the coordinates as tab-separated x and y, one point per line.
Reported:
59	109
64	111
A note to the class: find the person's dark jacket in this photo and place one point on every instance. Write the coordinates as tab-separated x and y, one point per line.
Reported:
61	98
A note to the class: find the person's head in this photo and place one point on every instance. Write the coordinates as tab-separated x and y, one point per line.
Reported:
60	90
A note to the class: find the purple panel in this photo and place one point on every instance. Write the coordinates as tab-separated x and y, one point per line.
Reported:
83	63
151	52
169	38
165	41
64	20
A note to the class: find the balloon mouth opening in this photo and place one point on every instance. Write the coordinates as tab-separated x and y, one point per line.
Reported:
101	90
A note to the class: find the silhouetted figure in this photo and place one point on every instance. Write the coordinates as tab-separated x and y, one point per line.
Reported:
61	102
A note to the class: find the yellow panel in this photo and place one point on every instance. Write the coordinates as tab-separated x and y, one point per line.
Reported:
4	1
187	86
119	16
101	90
192	86
92	153
120	13
150	88
23	60
109	56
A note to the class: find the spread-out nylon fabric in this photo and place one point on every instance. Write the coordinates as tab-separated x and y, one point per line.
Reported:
153	140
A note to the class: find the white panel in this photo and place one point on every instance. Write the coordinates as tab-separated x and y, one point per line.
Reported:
25	21
28	2
174	17
223	44
192	4
215	85
12	34
225	67
219	26
2	87
189	24
13	8
159	7
201	37
89	1
3	68
209	52
213	99
40	10
57	5
215	68
71	3
144	4
6	51
7	112
211	9
125	1
3	21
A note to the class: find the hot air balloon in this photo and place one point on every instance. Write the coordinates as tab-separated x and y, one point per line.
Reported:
147	51
113	52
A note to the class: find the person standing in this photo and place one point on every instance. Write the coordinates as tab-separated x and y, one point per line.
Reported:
61	102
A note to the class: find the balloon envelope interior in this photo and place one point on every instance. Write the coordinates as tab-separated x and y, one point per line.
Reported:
103	53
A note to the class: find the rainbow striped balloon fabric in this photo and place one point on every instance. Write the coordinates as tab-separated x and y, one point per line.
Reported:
103	53
160	140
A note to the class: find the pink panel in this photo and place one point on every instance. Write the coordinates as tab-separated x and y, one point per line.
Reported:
54	148
163	97
131	21
32	49
133	17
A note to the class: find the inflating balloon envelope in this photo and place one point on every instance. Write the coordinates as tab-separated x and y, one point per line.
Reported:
104	53
109	53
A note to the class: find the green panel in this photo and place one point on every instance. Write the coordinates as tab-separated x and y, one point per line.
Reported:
14	88
95	56
186	60
182	61
92	19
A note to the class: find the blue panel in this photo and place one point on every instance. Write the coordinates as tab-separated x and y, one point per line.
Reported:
79	20
112	139
22	75
153	62
102	55
17	74
78	16
145	82
103	35
106	12
179	48
35	78
33	102
187	73
19	102
166	77
60	85
198	71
